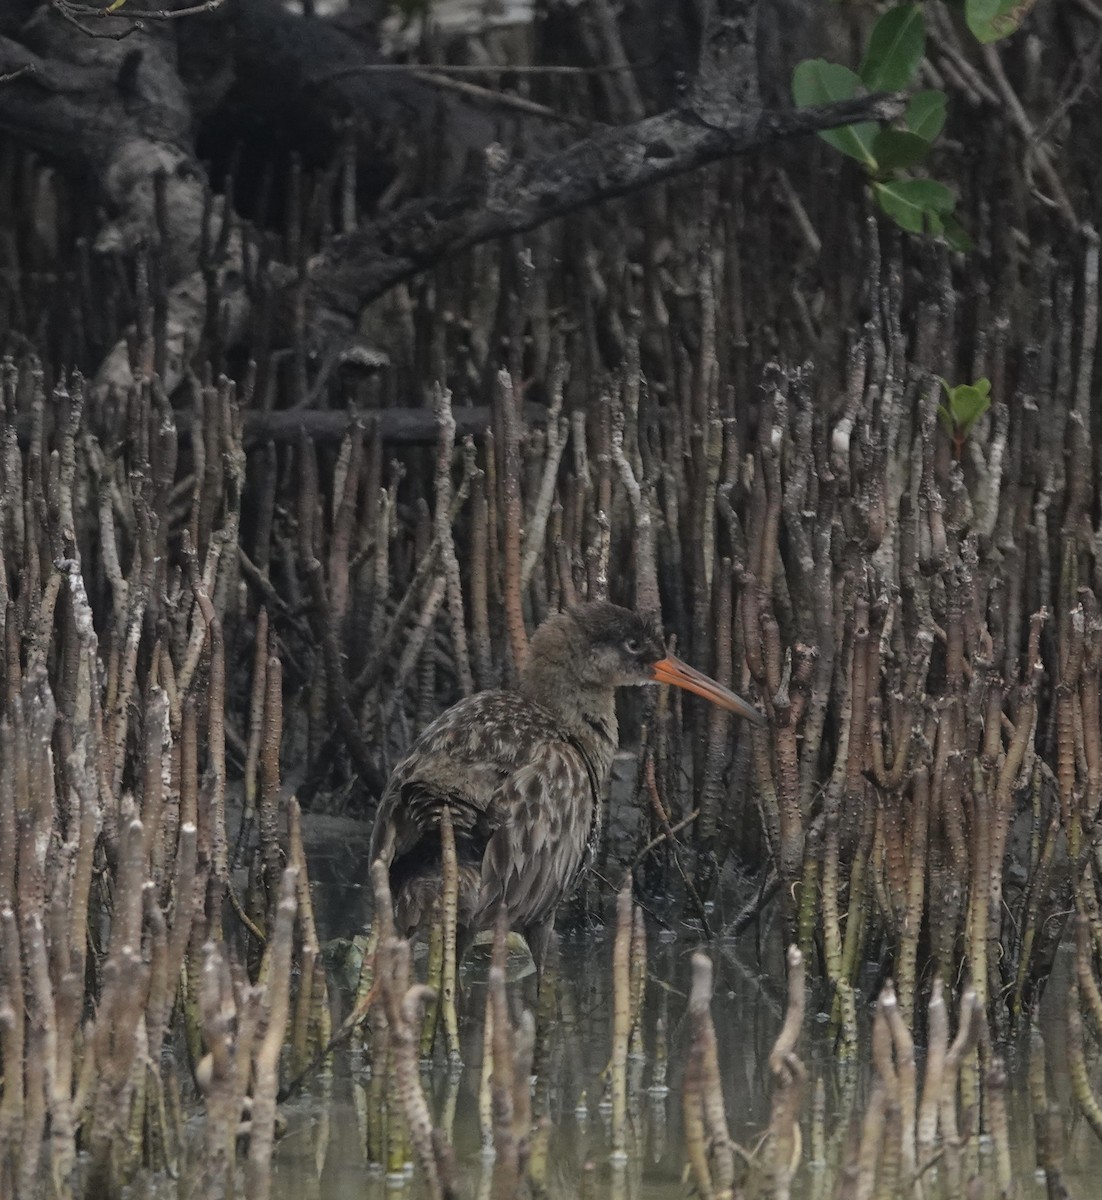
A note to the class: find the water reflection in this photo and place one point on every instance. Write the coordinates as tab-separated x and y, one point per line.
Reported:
324	1152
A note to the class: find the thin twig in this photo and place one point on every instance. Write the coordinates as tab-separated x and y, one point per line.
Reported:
480	69
115	9
664	836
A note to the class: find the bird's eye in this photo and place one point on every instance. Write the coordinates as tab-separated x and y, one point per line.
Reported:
633	645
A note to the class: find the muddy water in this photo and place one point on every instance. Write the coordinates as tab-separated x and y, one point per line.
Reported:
322	1154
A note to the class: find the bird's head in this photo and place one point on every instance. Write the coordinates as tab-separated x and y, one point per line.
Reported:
608	646
616	647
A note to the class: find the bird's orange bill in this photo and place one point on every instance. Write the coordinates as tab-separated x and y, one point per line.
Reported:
673	670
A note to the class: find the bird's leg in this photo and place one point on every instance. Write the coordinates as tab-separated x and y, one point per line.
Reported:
538	935
541	940
464	940
544	945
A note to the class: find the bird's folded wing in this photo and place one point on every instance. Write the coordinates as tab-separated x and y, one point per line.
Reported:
461	759
546	809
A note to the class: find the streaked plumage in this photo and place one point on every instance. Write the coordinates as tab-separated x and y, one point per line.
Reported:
522	772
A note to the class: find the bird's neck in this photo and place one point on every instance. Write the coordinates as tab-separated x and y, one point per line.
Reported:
586	713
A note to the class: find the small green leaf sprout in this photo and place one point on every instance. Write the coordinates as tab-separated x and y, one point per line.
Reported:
966	403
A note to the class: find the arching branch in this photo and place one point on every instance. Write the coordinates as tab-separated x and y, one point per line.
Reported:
358	267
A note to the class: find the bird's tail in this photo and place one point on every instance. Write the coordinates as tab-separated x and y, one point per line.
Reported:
416	898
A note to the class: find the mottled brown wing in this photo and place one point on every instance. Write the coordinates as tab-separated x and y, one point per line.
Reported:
461	759
533	859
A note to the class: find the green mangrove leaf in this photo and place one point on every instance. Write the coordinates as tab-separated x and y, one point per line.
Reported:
991	20
909	201
925	114
896	46
897	149
816	81
956	236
